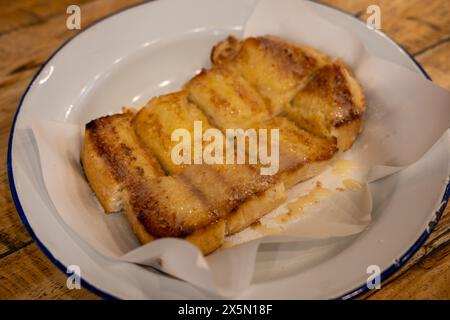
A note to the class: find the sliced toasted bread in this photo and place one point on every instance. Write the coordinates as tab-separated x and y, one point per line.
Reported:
155	123
331	105
241	108
277	69
127	177
259	83
111	154
301	153
227	98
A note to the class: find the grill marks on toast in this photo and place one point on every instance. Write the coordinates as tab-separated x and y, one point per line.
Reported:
331	105
165	205
275	68
233	184
225	187
318	95
111	155
257	83
155	123
227	98
168	207
117	144
223	83
299	147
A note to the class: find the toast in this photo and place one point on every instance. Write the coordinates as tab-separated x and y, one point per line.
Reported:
258	83
317	94
128	177
275	68
331	105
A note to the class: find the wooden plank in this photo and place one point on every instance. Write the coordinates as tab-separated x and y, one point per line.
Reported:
18	14
427	279
436	62
28	274
351	6
432	254
415	24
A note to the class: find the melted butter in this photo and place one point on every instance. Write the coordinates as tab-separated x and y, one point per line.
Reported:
259	227
228	244
301	203
284	218
342	168
295	208
352	184
319	191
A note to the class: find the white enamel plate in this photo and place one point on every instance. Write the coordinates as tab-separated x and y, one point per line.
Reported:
152	49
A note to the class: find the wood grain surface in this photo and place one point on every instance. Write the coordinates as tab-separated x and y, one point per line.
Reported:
30	30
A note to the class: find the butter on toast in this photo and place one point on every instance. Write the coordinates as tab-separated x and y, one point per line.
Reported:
260	83
111	154
128	177
302	154
227	98
276	69
319	95
231	102
155	123
331	105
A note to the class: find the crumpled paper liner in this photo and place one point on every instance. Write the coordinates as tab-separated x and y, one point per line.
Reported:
403	109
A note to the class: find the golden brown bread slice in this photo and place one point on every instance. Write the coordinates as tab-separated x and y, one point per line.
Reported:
111	153
231	102
233	184
257	83
155	123
322	97
331	105
238	193
224	51
276	69
302	154
125	177
227	98
168	207
256	207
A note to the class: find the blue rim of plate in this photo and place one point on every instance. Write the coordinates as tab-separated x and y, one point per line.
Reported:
349	295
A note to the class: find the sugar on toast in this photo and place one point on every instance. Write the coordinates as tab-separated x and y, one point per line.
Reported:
126	176
327	101
275	68
260	82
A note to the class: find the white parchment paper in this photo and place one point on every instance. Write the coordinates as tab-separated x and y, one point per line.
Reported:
403	109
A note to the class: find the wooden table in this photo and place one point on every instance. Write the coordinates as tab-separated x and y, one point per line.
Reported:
30	30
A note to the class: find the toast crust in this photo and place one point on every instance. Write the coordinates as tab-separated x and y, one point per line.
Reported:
332	104
110	155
